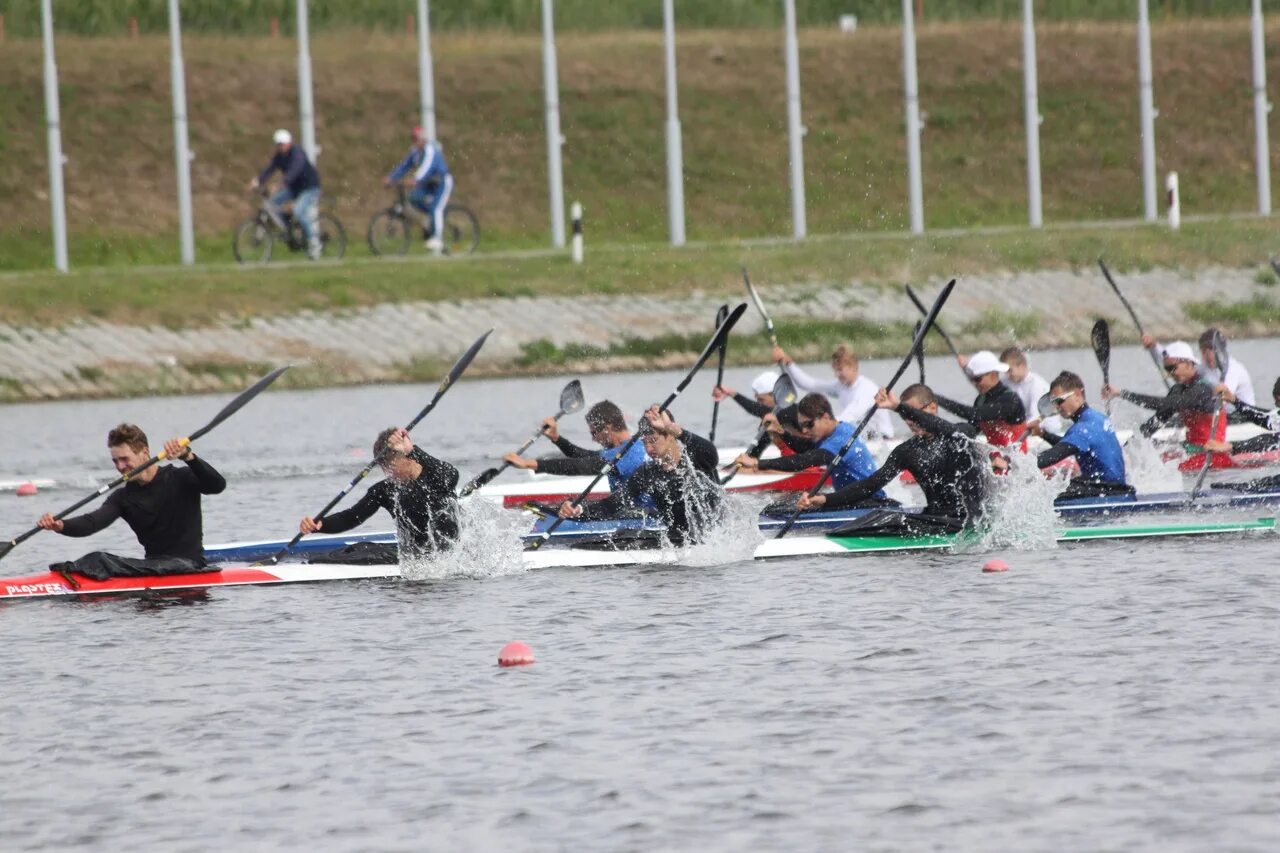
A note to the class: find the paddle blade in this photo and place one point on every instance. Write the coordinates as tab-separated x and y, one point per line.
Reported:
1045	406
480	480
784	393
571	399
1220	354
239	402
456	371
722	313
1100	337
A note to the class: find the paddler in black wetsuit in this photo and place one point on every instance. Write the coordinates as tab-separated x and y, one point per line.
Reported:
781	426
679	481
997	410
161	505
418	491
941	456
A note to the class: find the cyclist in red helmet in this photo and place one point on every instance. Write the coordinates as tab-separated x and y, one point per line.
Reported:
432	185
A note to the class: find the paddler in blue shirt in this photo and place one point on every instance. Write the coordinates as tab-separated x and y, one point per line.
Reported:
1090	439
608	429
818	424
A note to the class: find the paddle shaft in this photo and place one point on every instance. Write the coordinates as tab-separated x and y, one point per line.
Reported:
1223	360
759	303
485	477
911	294
724	346
1106	273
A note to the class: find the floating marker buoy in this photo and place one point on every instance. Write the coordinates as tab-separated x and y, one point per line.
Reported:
26	490
515	654
996	565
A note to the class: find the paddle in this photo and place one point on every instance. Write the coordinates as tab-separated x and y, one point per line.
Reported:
1106	273
916	343
724	345
920	352
764	315
456	371
716	340
227	411
784	394
924	312
1100	337
570	402
1223	360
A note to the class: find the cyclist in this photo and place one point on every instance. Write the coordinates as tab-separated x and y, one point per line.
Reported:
301	186
432	185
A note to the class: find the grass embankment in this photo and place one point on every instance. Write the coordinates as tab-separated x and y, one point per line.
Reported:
118	135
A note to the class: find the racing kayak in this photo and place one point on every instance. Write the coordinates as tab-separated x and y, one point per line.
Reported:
546	488
51	584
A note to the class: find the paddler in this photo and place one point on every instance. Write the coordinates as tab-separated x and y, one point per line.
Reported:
679	481
819	425
760	403
160	504
1027	384
1091	439
1189	397
608	429
418	491
1269	441
1237	378
854	392
947	465
781	427
997	410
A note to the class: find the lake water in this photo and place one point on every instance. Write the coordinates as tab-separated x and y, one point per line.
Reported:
1108	696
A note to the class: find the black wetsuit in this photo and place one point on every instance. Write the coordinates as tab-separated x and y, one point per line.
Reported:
688	499
998	412
165	516
1268	441
753	407
946	465
578	461
1195	402
425	510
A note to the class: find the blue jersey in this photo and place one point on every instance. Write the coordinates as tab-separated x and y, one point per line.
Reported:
627	465
1097	448
427	165
858	463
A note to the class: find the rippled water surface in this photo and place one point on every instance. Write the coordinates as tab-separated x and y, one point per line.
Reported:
1112	696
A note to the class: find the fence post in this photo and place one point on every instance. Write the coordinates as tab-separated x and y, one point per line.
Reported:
1148	113
1175	205
181	149
57	201
675	153
795	130
551	85
1261	109
915	191
575	213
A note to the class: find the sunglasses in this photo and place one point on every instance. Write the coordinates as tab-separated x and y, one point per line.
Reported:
1058	401
1170	368
805	424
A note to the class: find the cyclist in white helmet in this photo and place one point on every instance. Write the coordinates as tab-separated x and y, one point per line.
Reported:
301	186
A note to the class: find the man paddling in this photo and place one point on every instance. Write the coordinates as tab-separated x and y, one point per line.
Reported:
1236	379
161	504
997	410
854	392
818	425
760	403
1027	384
1090	439
608	428
679	481
1190	398
941	456
418	491
1269	441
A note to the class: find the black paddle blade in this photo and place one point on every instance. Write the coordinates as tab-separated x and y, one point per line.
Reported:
484	478
571	398
238	403
456	371
1100	337
722	313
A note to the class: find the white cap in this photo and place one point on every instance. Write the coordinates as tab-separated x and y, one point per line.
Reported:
1180	351
282	137
763	384
985	361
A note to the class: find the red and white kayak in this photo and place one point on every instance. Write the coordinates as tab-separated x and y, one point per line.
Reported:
541	488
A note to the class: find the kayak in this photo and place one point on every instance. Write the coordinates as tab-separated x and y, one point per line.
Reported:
546	488
50	584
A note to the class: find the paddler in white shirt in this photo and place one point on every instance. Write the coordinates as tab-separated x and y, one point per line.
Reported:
854	393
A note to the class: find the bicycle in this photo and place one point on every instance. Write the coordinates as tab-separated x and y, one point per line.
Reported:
391	230
257	236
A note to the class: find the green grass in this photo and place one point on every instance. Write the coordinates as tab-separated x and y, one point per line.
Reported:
1255	311
999	322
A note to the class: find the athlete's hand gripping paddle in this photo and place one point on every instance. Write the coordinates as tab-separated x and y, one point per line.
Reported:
570	402
916	343
784	394
1106	273
456	371
227	411
1223	360
724	345
716	340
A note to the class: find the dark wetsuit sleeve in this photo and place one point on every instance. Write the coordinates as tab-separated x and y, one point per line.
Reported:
362	511
576	467
1051	439
858	491
573	451
752	406
934	424
1052	456
1005	407
702	453
632	489
797	443
1257	444
1196	398
209	481
814	457
91	522
955	407
1254	415
438	474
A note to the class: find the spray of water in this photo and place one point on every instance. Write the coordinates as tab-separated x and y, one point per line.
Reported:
1020	511
1146	469
488	546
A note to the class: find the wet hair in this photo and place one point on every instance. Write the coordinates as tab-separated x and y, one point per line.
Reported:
918	396
1068	381
643	427
128	434
788	416
1012	356
814	406
844	354
382	451
1206	337
605	414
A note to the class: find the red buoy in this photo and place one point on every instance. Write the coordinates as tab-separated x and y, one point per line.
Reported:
515	654
995	565
26	490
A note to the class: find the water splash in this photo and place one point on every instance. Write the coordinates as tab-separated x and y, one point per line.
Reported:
1020	511
488	546
1146	468
733	538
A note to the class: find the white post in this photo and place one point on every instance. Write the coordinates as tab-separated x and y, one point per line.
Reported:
1031	87
675	154
555	174
1260	111
1175	206
1147	114
426	82
57	202
575	247
181	149
915	190
306	108
795	131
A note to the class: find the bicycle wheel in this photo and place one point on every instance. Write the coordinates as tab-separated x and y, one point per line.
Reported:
252	242
388	233
461	230
333	237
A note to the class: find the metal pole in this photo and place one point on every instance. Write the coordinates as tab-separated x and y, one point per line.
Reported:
795	131
181	149
306	108
57	202
915	191
675	155
426	82
1031	87
555	174
1260	111
1147	114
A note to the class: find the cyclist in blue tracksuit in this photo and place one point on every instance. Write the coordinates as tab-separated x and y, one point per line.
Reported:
432	185
301	186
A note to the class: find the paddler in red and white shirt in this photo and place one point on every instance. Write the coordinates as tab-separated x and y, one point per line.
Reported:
997	411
